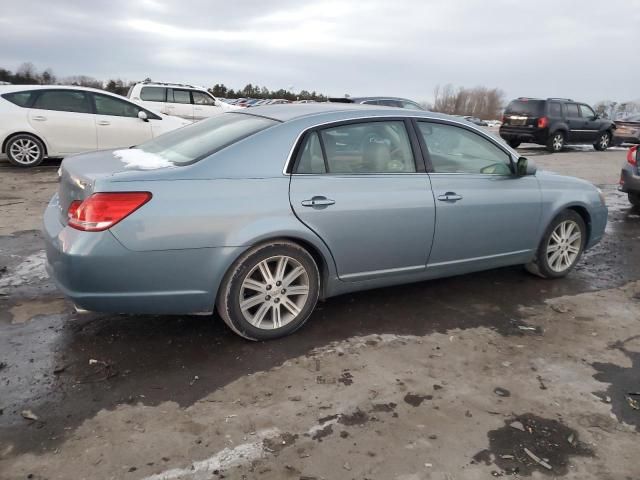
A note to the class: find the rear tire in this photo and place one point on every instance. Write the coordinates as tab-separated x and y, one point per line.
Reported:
270	291
555	142
603	142
514	143
634	199
25	151
561	246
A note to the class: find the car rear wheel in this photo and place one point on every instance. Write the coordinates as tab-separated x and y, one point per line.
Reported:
603	142
561	246
25	151
514	143
555	143
634	199
270	291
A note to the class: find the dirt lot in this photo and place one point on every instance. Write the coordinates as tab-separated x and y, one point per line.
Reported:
492	374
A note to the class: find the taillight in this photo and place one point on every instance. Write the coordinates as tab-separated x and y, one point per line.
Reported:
103	210
632	156
543	122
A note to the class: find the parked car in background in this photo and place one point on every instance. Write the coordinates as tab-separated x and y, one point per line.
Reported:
476	121
380	101
177	99
38	121
627	130
630	176
554	122
179	236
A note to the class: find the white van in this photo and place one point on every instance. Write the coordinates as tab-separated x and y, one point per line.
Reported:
177	99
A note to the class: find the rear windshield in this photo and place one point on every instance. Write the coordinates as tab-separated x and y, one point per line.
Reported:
199	140
525	107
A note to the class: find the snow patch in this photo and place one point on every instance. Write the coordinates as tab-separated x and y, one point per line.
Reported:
135	158
224	459
31	269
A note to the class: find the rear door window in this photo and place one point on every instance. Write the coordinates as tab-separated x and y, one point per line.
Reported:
153	94
311	158
22	99
375	147
181	96
63	101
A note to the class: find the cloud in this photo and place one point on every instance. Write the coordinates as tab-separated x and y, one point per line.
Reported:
404	48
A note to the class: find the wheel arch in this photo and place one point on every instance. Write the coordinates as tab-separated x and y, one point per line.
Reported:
12	135
586	218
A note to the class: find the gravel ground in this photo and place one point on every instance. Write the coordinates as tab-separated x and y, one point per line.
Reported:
492	374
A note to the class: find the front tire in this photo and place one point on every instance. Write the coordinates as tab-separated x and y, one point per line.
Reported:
634	199
603	142
25	150
514	143
561	246
270	291
555	143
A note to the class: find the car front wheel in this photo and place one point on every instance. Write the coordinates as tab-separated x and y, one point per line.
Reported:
270	291
25	151
555	143
561	246
603	142
514	143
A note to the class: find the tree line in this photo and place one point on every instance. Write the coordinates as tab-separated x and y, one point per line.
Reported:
482	102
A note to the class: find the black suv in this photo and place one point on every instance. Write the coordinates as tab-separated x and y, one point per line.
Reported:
383	101
554	122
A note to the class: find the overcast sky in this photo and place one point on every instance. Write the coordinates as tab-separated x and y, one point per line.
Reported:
584	49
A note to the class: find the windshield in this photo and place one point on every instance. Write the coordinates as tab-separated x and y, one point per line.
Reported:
199	140
525	107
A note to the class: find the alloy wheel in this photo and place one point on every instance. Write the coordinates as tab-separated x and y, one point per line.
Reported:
274	292
558	142
564	246
604	141
25	151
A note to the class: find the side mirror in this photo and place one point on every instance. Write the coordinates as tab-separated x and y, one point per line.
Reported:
142	115
525	167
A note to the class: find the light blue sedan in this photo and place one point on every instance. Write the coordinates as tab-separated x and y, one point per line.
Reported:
260	213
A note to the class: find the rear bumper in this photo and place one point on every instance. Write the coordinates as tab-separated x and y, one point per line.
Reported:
96	272
629	180
524	134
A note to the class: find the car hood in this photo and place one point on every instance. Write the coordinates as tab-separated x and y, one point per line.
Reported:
548	177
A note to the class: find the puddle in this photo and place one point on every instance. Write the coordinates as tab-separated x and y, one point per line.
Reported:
528	443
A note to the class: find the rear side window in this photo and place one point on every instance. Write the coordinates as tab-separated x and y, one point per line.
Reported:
153	94
63	101
22	99
531	108
555	109
311	158
181	96
200	98
572	110
199	140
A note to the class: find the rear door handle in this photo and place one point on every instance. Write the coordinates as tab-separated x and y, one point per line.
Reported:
318	202
104	122
39	118
450	197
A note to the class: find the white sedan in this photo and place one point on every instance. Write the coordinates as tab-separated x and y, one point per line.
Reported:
38	121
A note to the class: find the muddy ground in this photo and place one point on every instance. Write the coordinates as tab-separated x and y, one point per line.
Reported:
492	374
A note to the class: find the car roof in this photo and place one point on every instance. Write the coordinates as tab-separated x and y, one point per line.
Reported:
293	111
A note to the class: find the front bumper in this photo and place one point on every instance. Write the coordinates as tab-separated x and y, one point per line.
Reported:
599	218
98	273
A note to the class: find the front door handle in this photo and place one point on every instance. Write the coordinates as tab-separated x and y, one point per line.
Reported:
39	118
104	122
318	202
450	197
